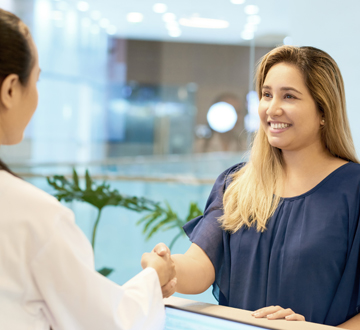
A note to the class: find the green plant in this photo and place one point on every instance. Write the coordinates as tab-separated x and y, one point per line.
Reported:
165	219
99	196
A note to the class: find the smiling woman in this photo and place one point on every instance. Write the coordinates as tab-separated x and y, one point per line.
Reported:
280	234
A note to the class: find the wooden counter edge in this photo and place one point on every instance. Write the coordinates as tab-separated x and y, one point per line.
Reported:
242	315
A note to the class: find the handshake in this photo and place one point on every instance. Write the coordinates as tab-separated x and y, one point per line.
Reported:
160	259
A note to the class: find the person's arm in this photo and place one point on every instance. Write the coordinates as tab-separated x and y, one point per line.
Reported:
74	296
194	271
351	324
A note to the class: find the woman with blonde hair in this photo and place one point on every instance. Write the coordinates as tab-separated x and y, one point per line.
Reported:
280	234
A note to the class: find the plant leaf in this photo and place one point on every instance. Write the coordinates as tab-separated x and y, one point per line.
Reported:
105	271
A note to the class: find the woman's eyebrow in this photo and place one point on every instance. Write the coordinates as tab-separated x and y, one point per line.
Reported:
283	89
290	89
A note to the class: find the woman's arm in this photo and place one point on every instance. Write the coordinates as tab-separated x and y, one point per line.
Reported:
194	270
352	324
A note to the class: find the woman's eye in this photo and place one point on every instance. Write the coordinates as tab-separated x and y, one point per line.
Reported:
288	96
265	94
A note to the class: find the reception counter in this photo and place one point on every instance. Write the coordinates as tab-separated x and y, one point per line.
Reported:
241	315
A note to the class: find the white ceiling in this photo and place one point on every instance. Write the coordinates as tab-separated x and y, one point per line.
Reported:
272	29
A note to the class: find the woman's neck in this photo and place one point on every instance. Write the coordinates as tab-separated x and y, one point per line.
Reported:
306	168
305	160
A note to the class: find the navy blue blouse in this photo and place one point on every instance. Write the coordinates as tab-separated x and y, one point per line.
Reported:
308	259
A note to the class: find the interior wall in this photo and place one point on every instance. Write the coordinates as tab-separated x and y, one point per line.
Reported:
334	29
215	69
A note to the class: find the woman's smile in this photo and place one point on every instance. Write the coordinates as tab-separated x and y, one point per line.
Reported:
278	127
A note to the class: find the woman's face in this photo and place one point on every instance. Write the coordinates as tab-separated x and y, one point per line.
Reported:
15	119
288	113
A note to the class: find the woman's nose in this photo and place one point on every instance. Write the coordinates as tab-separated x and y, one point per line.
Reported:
275	108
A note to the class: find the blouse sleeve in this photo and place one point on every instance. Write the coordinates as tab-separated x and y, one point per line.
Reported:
77	297
206	232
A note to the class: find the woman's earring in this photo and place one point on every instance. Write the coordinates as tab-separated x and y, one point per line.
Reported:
323	121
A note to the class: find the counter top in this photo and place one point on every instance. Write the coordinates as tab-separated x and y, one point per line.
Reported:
242	315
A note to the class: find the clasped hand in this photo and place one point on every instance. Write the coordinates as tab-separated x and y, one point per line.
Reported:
160	259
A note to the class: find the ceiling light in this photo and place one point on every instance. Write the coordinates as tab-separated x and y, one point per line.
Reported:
83	6
250	27
135	17
288	41
160	8
95	15
175	33
205	23
172	25
251	10
169	17
174	29
254	19
237	2
111	30
247	35
104	23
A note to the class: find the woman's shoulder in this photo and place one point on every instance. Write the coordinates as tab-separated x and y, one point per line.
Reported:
348	174
225	175
19	196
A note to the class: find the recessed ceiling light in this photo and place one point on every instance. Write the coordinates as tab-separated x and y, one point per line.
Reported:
251	10
172	25
205	23
247	35
254	19
175	33
83	6
160	8
250	27
95	15
169	17
104	23
111	30
135	17
237	2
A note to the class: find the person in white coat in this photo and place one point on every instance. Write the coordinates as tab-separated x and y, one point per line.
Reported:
47	276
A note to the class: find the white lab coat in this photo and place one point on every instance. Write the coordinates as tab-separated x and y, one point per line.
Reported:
47	275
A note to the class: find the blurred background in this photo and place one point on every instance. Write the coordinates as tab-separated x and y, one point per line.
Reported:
158	99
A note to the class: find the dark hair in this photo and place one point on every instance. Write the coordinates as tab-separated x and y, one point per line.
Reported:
15	52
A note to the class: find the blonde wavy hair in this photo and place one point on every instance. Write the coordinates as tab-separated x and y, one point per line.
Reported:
250	199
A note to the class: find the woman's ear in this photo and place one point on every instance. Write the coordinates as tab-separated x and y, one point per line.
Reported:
9	90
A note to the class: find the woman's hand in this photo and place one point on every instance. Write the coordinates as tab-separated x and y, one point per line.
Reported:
162	263
169	288
277	312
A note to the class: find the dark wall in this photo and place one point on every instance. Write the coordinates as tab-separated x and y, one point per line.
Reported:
216	69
